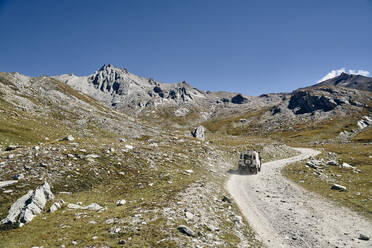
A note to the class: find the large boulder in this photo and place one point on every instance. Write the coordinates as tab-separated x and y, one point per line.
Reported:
29	205
198	132
239	99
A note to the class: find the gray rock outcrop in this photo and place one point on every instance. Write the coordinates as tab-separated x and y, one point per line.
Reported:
29	205
198	132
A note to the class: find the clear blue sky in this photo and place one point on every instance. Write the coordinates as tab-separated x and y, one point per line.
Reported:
245	46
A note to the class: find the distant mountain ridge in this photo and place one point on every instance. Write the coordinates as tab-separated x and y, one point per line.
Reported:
180	104
358	82
123	90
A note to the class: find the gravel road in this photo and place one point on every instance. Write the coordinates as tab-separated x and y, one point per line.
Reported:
285	215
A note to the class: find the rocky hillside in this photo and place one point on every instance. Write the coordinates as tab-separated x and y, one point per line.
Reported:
140	96
180	104
109	159
358	82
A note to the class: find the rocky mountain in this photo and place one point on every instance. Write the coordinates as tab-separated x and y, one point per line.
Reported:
123	90
136	95
358	82
116	159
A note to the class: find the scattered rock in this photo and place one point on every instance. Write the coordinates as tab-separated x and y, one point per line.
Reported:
92	156
312	165
346	166
7	183
43	165
69	138
226	199
10	156
198	132
18	176
338	187
121	202
110	221
56	206
332	163
122	242
73	206
189	215
185	230
189	171
128	147
11	148
92	206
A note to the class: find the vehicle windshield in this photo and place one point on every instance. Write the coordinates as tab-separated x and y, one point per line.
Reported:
246	156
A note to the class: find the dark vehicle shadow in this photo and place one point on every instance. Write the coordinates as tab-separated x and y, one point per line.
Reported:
236	172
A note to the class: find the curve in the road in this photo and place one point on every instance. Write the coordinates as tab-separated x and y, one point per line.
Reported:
285	215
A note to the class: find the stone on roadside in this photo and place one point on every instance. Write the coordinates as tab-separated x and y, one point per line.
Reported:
226	199
363	237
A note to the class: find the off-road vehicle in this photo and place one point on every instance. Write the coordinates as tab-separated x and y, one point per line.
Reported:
249	162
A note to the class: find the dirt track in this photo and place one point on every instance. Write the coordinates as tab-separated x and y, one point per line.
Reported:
285	215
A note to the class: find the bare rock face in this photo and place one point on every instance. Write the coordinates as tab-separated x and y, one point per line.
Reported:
239	99
305	102
198	132
123	90
29	205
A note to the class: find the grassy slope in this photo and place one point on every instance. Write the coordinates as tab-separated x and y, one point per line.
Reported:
99	182
359	185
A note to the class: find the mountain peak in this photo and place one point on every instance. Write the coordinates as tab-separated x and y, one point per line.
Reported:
110	67
358	82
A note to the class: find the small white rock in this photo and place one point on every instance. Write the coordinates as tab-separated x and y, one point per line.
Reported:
121	202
